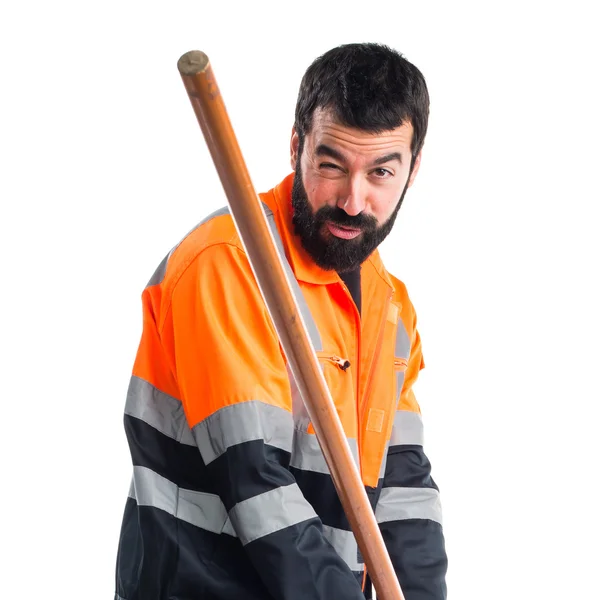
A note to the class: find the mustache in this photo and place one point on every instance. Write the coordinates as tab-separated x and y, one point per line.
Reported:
338	216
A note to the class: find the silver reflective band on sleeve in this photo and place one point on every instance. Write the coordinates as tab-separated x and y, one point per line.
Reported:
400	503
159	274
270	512
402	349
159	410
408	429
345	545
243	422
206	511
308	456
311	326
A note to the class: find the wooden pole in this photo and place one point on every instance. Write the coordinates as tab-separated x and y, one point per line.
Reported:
266	263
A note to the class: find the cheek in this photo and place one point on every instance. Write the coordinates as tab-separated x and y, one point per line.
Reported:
384	203
320	192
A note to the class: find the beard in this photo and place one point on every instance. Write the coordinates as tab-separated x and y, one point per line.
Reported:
330	252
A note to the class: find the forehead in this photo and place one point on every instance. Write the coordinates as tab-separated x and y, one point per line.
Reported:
327	130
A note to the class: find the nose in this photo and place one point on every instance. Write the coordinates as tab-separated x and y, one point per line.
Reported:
352	199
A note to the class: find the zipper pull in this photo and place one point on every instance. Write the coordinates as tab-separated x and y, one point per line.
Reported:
342	363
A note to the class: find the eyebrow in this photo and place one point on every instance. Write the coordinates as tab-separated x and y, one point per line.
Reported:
325	150
388	158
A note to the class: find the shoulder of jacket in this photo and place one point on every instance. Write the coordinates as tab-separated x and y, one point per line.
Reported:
216	232
217	229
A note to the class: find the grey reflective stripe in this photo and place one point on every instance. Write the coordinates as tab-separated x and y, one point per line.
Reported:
408	428
308	456
311	326
198	508
243	422
399	385
159	410
203	510
400	503
402	349
345	545
270	512
159	274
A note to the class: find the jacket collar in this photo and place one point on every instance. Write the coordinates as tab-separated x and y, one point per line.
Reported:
279	200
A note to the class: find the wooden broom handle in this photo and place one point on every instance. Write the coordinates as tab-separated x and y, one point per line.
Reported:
266	263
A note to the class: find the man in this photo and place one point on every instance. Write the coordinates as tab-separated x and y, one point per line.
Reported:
231	497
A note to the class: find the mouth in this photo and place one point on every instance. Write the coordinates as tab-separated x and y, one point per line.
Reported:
346	233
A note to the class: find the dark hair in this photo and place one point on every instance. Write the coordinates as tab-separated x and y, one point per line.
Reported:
369	87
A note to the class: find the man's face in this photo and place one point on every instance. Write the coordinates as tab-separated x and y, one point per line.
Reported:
348	188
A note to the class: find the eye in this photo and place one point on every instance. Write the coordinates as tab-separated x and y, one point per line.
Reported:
381	173
327	165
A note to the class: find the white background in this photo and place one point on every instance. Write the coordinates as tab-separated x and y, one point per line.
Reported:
103	169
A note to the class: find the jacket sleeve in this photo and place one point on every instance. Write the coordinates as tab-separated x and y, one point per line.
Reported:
409	510
237	398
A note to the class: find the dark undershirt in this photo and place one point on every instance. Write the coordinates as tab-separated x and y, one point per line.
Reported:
352	281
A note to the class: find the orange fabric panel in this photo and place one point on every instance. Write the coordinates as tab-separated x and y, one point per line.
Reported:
378	407
152	362
215	231
381	398
226	349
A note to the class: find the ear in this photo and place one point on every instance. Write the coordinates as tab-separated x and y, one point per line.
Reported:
415	170
294	143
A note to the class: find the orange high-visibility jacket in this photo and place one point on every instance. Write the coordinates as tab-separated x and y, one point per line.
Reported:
231	496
